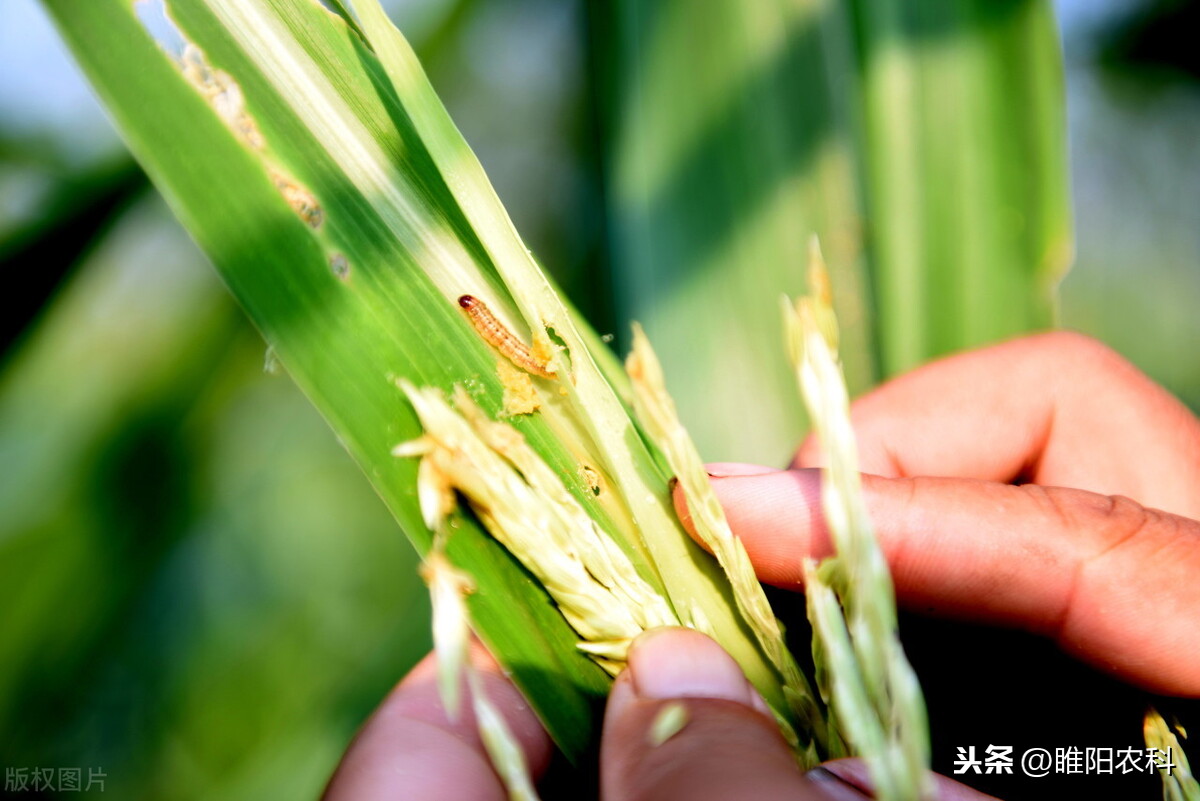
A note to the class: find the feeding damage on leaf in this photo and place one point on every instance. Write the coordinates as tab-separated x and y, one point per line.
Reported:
223	94
503	340
225	97
520	361
524	504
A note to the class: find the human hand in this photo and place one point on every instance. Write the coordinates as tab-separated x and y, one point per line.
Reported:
728	748
1057	555
1066	554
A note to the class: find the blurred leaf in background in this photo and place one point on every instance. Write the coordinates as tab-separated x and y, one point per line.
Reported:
924	142
202	594
730	140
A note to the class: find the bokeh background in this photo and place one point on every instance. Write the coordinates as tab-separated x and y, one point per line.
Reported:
199	593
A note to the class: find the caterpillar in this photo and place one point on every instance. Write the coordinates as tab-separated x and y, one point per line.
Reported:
501	338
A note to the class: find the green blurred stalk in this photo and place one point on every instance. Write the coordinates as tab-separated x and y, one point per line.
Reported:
923	141
731	141
964	119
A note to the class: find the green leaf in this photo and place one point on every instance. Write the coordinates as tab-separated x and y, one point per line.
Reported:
323	177
965	170
343	338
731	140
924	143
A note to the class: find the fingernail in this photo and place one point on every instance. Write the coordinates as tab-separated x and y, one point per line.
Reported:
833	786
730	469
677	663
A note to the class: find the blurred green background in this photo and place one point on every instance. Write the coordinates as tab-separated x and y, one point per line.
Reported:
201	595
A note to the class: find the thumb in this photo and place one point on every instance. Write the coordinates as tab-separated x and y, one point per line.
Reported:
1088	570
684	723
